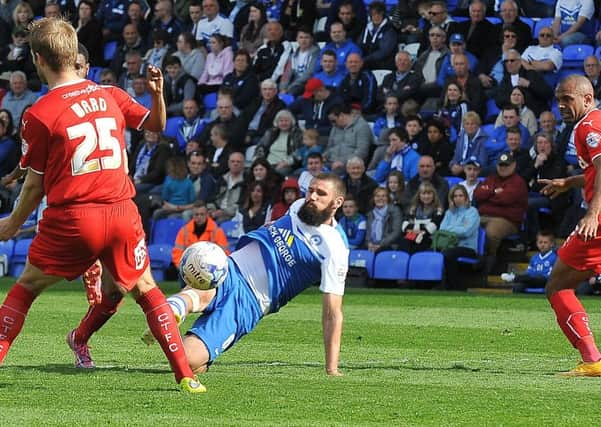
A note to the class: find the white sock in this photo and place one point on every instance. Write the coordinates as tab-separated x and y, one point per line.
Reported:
179	306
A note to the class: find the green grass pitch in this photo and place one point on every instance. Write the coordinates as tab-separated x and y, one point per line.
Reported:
409	358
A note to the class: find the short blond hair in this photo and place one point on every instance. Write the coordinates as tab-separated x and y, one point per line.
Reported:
55	40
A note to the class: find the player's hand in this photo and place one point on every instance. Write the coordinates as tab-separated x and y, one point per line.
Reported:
7	228
154	76
554	187
92	283
334	373
587	226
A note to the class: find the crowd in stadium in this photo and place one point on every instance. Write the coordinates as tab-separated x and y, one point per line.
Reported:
439	115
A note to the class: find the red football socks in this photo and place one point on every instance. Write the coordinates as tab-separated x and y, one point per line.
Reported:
12	316
97	316
573	321
164	328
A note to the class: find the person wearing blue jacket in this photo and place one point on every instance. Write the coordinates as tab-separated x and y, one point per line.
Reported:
470	143
462	219
353	223
399	156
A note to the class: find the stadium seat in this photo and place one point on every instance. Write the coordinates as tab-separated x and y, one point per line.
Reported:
540	24
598	52
575	54
528	21
391	265
172	125
110	48
287	98
460	18
232	232
320	25
534	291
379	75
453	180
362	258
94	74
6	251
492	111
426	265
165	230
19	257
480	250
210	101
412	49
160	260
493	20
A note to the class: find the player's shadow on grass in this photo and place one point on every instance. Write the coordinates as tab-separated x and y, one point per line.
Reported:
68	369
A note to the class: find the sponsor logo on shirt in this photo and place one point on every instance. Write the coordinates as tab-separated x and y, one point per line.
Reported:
283	238
592	139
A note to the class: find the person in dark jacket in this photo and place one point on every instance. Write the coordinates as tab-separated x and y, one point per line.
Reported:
404	82
178	86
359	85
272	53
314	105
243	81
379	39
478	33
297	14
359	184
384	223
147	163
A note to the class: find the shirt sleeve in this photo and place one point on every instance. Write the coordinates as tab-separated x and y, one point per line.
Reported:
334	269
135	114
35	139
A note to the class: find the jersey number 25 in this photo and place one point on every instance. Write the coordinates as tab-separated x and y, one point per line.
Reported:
97	135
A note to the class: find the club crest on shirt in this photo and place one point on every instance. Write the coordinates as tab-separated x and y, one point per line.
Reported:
592	139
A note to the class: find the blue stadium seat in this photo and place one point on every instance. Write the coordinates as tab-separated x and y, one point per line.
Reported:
210	101
534	291
598	52
575	54
160	259
165	230
379	75
391	265
172	125
426	265
460	18
528	21
481	248
540	24
94	74
493	20
110	48
6	250
362	258
453	180
564	72
492	111
19	257
286	98
230	228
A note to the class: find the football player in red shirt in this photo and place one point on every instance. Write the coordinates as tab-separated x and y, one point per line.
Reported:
74	150
580	256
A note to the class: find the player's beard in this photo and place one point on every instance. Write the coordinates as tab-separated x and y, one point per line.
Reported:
310	215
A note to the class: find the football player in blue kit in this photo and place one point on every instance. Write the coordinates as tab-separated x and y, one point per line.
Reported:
270	266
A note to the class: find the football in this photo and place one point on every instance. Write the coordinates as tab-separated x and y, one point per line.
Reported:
203	266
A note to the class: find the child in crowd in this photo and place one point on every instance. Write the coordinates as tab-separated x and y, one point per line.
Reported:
396	188
178	191
414	127
539	268
436	144
310	145
290	193
471	168
390	119
353	223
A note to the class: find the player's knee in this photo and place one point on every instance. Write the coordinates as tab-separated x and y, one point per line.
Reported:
197	353
35	280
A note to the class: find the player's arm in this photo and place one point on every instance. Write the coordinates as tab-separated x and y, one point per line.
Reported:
158	111
31	196
554	187
332	330
587	227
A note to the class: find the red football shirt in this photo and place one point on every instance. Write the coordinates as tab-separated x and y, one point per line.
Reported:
74	135
587	139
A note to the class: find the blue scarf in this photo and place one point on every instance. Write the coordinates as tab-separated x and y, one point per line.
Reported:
377	227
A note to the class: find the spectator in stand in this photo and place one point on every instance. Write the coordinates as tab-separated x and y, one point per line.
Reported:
539	268
537	93
17	57
133	68
7	117
462	219
395	183
280	142
258	116
447	68
112	15
379	39
313	106
422	220
527	117
131	41
502	200
147	163
273	54
289	194
179	86
253	33
340	45
297	14
353	223
203	181
519	154
141	93
470	85
478	33
548	125
160	47
137	15
390	119
230	188
359	9
218	152
471	169
426	172
164	19
573	23
492	68
383	223
350	136
192	125
18	97
88	28
404	82
300	64
201	228
310	145
255	207
359	184
429	63
261	171
508	12
544	57
213	23
359	85
225	116
315	165
331	75
192	58
414	125
348	18
219	63
453	108
592	69
178	191
8	149
496	144
437	146
6	13
22	16
242	81
108	77
436	16
399	156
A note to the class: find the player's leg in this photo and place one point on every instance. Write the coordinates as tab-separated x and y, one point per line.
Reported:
572	317
198	355
17	303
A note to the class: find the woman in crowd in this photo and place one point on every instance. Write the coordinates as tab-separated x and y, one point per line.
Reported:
255	207
527	117
219	63
452	109
423	218
253	33
280	142
470	143
243	81
383	223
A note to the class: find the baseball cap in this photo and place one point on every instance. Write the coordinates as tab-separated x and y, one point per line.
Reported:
471	161
505	159
456	38
312	85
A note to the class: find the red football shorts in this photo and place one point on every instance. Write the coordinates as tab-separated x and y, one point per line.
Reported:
71	238
581	255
